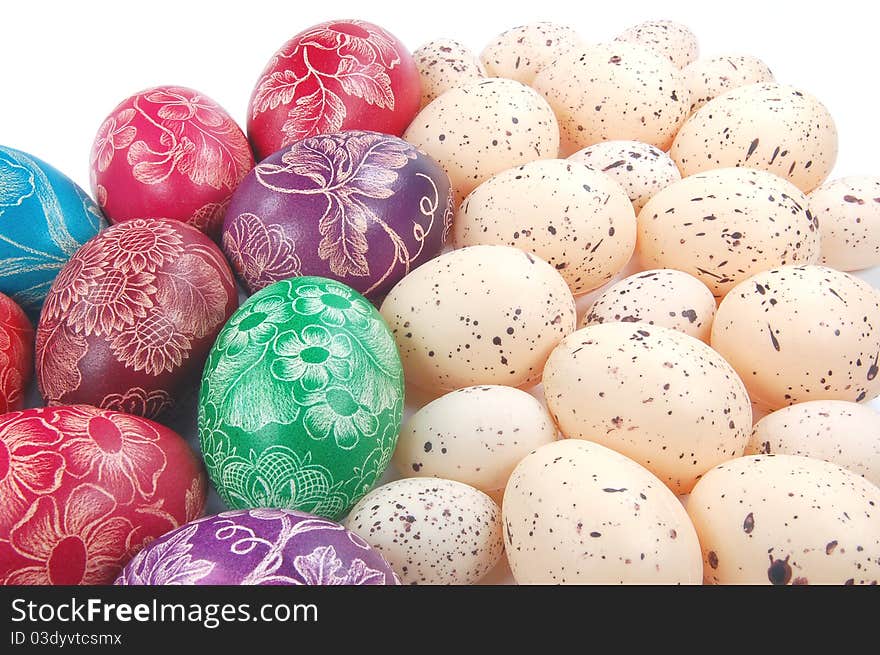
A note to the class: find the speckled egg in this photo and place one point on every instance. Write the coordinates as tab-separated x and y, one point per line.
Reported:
848	211
479	315
663	297
431	531
522	52
131	317
672	40
783	519
800	333
576	512
475	435
724	225
641	169
258	547
614	91
16	354
578	220
770	127
484	127
44	219
714	76
444	64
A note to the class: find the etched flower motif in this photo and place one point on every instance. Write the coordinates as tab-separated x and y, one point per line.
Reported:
334	303
112	302
342	416
312	358
153	344
142	244
138	401
75	279
168	563
354	39
16	183
180	105
261	254
257	323
115	133
323	567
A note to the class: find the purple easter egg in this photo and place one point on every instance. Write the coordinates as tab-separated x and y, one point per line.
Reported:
360	207
258	547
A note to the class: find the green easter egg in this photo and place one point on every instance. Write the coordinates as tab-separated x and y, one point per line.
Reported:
301	399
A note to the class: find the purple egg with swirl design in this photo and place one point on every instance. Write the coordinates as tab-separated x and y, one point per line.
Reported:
360	207
258	547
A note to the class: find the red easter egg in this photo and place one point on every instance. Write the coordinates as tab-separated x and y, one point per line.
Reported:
84	489
338	75
130	319
169	151
16	355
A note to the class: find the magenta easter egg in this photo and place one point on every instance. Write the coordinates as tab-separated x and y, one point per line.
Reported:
16	355
131	317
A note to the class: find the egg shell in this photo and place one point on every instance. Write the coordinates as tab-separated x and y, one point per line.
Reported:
84	489
444	64
44	219
16	354
258	547
614	91
576	512
667	38
483	127
301	399
431	531
337	75
522	52
360	207
724	225
848	211
783	519
475	435
479	315
130	318
799	333
576	219
713	76
770	127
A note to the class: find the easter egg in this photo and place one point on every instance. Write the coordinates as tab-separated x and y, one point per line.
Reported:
84	489
16	354
44	218
301	399
338	75
360	207
169	151
131	317
258	547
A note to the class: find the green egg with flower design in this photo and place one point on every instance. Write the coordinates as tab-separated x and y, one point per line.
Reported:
301	399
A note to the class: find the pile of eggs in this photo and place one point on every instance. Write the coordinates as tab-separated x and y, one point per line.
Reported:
584	307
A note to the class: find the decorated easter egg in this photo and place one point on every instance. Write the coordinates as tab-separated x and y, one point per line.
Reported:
301	399
16	354
711	77
169	151
44	218
444	64
84	489
338	75
672	40
258	547
360	207
521	52
130	319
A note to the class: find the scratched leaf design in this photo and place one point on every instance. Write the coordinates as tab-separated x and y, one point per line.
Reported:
212	160
168	563
145	168
278	88
59	353
317	113
343	230
370	83
323	567
194	302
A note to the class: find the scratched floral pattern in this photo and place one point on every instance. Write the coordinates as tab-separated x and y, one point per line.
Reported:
16	354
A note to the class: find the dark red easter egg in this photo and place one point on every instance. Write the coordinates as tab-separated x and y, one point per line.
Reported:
338	75
131	317
16	355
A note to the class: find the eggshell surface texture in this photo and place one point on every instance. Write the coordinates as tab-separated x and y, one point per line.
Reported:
444	64
16	354
799	333
479	315
169	151
338	75
360	207
672	40
44	218
258	547
614	91
431	531
723	226
576	512
129	320
770	127
84	489
711	77
848	211
301	399
576	219
484	127
783	519
522	52
475	435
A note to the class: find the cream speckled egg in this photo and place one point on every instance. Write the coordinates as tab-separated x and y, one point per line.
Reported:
663	297
444	64
848	211
798	333
725	225
771	127
579	220
640	168
576	512
475	435
479	315
783	519
521	52
656	395
713	76
483	127
672	40
431	531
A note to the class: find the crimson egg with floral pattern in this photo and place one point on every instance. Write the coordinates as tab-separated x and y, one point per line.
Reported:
16	354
